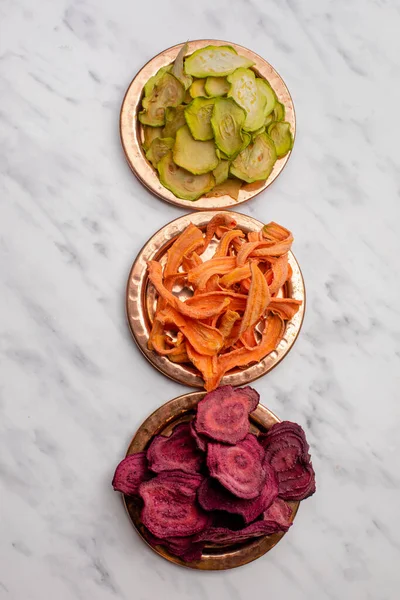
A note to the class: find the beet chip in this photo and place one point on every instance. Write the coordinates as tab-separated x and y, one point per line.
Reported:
223	415
201	441
178	451
280	512
297	483
286	449
170	505
213	496
184	547
222	535
130	473
239	468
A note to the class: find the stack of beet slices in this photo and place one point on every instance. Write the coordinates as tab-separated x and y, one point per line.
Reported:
212	481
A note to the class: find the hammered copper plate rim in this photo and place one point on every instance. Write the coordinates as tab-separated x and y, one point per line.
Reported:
130	128
170	414
137	316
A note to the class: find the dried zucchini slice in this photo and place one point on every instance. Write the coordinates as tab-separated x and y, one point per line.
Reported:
187	98
221	172
159	147
246	140
182	183
227	121
247	93
221	155
268	94
174	120
178	71
216	86
149	85
166	91
197	88
198	118
256	133
256	162
217	61
230	187
279	111
282	137
150	134
192	155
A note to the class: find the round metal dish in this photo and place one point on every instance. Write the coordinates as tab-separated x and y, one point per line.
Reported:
141	301
132	134
214	558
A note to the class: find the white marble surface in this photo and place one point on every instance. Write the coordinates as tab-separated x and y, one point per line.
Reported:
73	387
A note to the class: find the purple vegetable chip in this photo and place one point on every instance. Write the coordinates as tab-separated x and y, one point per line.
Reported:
297	483
130	473
184	547
213	496
178	451
223	415
240	468
280	512
286	449
223	535
170	505
201	440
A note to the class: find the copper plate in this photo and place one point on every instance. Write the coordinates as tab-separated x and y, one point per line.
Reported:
132	134
141	303
214	558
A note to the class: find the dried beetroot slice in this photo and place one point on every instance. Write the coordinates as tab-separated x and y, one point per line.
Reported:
178	451
284	443
130	473
297	483
213	496
280	512
287	450
184	547
170	506
222	535
239	468
201	441
223	415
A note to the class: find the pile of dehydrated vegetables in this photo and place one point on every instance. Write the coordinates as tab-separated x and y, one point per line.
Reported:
210	124
213	482
234	316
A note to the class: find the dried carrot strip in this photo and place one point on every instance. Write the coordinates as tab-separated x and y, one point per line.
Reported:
279	272
227	238
218	220
274	232
215	266
155	276
245	252
236	275
204	339
190	239
190	262
248	338
180	355
237	302
253	236
286	308
203	363
228	320
212	284
271	337
257	301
